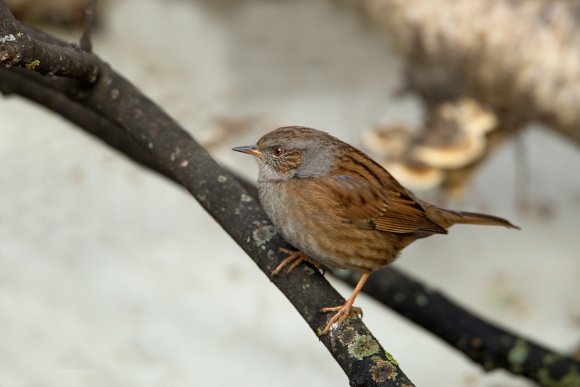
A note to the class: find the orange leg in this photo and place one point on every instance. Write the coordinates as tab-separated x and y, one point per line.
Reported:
298	257
342	311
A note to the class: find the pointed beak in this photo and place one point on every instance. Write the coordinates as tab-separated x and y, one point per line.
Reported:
249	149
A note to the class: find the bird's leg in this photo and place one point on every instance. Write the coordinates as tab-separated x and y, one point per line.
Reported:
298	257
342	311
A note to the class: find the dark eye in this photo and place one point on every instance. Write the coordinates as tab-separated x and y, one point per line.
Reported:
277	150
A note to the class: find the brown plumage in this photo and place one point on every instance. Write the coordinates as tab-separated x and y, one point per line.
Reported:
339	207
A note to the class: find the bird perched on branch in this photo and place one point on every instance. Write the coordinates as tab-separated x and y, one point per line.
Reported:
340	208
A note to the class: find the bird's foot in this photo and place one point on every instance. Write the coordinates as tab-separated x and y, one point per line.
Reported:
298	257
342	312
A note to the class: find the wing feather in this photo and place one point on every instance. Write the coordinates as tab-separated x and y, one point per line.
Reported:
382	208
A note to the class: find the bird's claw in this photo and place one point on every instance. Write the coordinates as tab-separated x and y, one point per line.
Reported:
298	257
342	312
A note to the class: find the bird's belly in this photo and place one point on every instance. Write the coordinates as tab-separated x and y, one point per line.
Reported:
345	247
328	239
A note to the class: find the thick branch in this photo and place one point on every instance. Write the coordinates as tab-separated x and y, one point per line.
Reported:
174	152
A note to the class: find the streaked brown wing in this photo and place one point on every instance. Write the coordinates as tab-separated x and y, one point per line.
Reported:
380	208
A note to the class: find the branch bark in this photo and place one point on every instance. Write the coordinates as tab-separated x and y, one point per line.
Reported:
174	152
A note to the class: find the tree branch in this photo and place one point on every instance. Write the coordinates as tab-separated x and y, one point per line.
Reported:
175	153
19	49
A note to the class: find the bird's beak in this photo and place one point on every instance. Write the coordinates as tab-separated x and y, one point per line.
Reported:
249	149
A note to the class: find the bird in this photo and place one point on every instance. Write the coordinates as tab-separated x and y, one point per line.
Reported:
340	208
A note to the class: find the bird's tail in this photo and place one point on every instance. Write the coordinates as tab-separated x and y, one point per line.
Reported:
464	217
447	218
476	218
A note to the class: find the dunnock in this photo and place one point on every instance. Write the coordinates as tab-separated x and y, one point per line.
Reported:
340	208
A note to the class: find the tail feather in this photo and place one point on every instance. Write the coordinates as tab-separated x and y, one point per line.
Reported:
463	217
447	218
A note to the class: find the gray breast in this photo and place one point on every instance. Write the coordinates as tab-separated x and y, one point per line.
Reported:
279	205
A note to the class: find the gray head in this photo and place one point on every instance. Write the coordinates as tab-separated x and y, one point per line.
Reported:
294	151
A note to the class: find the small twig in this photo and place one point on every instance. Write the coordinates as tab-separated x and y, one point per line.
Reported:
85	43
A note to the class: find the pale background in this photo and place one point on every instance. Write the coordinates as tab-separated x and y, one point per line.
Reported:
111	276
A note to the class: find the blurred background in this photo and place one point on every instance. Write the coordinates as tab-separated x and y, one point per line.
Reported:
112	276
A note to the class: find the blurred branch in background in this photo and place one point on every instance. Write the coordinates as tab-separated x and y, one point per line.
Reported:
528	70
517	59
482	342
114	101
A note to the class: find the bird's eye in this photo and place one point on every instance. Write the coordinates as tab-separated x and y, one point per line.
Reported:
277	150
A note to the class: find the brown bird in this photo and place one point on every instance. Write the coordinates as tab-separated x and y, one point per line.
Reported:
340	208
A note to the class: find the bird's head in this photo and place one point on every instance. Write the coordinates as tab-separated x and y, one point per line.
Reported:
293	152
